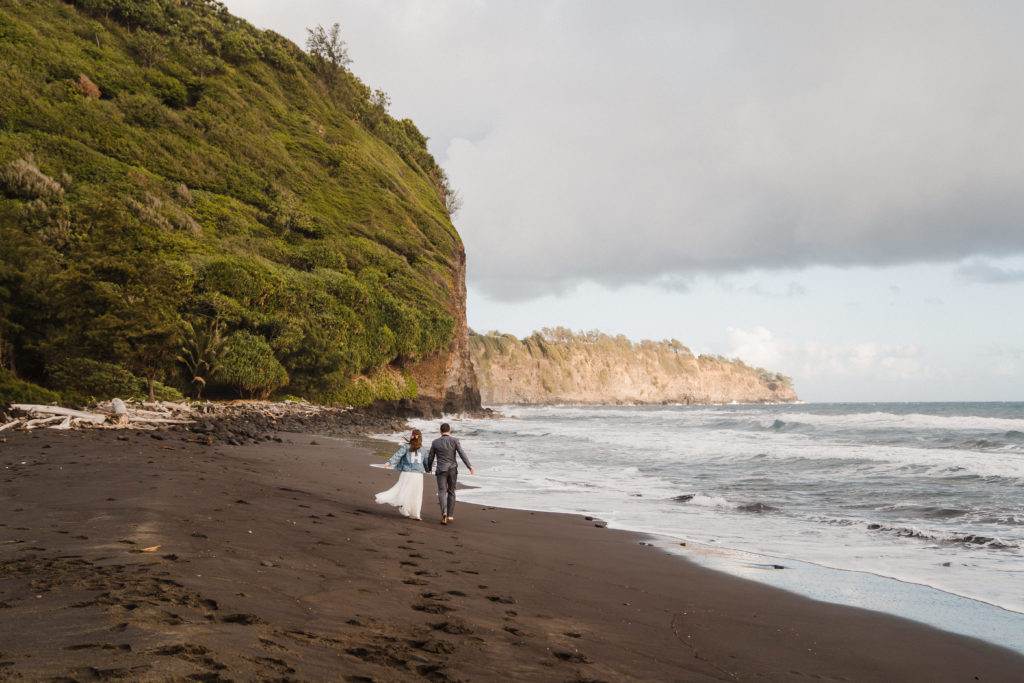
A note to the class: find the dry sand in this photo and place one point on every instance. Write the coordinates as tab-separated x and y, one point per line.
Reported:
151	557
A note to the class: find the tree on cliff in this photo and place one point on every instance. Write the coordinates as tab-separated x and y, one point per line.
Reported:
328	49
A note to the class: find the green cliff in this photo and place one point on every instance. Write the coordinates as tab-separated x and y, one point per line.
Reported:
562	367
174	181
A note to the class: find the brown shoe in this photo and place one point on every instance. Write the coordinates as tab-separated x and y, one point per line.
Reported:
444	519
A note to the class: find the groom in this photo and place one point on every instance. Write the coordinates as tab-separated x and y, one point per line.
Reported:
444	449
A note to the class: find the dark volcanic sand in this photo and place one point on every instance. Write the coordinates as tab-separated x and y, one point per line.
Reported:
273	563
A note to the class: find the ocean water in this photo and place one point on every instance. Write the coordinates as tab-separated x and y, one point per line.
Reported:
916	509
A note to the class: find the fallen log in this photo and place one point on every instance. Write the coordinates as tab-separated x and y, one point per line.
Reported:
158	420
95	418
10	424
32	424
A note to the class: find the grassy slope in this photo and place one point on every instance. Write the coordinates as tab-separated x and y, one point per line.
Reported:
256	187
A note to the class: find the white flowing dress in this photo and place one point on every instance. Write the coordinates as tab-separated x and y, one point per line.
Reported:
406	495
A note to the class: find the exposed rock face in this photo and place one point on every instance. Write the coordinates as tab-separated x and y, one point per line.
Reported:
559	367
446	381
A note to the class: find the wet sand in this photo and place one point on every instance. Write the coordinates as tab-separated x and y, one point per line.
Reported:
157	556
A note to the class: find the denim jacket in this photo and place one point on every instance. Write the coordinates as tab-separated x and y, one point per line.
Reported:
405	460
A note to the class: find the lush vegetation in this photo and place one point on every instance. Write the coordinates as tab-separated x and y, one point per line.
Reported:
166	168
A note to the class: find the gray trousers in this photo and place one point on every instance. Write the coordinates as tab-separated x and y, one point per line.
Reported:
446	490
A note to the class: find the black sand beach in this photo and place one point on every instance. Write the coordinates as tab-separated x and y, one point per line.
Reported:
158	556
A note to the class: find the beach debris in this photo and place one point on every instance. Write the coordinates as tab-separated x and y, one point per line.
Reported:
119	410
150	415
114	414
151	549
226	422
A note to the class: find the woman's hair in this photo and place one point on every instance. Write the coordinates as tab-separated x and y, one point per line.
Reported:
416	441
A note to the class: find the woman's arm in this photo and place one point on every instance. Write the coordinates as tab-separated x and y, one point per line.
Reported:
393	460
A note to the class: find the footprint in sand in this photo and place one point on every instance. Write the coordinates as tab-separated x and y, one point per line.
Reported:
439	647
572	657
243	619
431	608
435	596
456	627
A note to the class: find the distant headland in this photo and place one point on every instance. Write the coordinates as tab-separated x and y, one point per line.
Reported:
559	366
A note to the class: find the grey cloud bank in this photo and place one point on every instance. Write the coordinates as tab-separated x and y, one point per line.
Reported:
720	137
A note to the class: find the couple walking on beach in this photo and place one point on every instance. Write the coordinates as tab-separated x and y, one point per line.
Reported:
407	494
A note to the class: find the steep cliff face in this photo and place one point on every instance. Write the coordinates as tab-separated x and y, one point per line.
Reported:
446	380
557	367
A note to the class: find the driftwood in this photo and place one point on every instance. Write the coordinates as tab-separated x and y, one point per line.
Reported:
32	424
57	410
119	415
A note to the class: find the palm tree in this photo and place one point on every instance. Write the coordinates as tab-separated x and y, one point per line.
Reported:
201	355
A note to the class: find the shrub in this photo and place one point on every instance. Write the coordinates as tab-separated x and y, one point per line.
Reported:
161	392
239	46
14	390
87	87
84	378
364	391
23	180
250	366
169	90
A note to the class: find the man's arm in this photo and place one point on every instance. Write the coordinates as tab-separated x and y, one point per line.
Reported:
429	464
462	454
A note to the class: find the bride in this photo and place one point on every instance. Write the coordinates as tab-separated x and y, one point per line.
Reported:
407	494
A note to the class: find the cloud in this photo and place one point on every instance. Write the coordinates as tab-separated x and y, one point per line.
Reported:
632	143
725	141
982	272
815	360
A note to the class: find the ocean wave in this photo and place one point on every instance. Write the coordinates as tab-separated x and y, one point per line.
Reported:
927	511
876	420
1009	520
758	508
702	500
718	502
964	540
783	426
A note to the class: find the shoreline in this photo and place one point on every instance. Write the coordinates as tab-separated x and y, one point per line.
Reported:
144	555
968	588
729	560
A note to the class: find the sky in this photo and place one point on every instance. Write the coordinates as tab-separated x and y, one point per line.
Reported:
833	191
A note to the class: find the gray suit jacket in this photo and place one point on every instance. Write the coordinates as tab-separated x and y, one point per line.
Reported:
444	449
